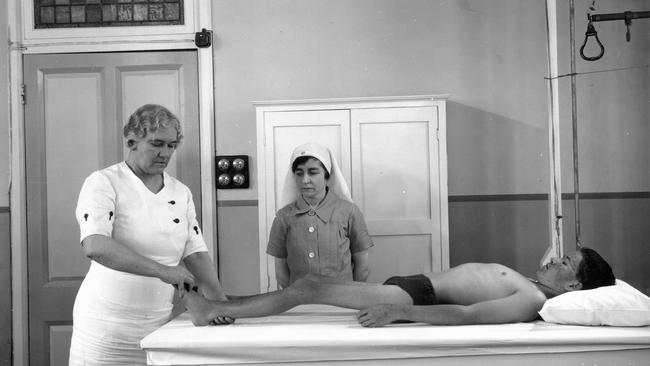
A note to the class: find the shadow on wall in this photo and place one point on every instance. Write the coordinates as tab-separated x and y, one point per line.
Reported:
495	164
490	153
511	232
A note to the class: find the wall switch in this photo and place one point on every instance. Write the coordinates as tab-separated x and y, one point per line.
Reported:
232	171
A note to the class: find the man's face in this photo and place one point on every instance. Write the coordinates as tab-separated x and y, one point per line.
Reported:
310	177
152	153
560	273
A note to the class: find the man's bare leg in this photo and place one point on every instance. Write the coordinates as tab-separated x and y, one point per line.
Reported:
309	290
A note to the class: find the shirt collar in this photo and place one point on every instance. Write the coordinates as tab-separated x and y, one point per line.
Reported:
323	211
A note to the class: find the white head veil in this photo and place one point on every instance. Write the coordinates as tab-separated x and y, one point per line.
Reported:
336	182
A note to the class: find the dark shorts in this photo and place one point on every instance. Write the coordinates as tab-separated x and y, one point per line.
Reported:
419	287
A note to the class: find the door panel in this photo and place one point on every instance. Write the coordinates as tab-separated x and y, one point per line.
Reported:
60	336
284	131
395	155
76	107
402	168
134	84
71	97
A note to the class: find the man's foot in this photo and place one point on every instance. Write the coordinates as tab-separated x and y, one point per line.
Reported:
201	310
379	315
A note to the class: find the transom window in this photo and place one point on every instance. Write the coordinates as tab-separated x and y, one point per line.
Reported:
106	13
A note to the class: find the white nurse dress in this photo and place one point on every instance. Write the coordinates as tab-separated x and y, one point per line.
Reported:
114	310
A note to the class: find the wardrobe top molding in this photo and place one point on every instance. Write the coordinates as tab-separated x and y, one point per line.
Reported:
363	102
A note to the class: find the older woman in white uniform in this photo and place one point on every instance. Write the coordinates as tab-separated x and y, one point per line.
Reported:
137	224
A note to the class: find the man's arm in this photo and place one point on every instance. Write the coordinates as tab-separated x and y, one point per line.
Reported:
521	306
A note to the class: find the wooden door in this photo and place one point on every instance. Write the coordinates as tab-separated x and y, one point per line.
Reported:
76	106
284	131
397	185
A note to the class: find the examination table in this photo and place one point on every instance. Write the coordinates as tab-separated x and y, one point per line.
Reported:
329	335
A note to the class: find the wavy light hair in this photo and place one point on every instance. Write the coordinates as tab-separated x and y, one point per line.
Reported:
148	119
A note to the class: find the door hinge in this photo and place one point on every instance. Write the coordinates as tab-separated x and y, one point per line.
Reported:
23	97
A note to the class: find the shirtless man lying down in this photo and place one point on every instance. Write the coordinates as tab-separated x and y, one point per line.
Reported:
472	293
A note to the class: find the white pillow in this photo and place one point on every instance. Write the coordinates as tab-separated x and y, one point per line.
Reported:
618	305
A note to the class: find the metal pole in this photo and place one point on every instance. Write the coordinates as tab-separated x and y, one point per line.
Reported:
618	16
555	193
574	125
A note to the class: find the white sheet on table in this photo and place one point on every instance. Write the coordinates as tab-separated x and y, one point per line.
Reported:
310	333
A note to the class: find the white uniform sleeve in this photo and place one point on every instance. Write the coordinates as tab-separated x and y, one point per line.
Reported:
195	242
96	207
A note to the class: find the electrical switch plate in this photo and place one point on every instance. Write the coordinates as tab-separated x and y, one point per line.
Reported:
232	171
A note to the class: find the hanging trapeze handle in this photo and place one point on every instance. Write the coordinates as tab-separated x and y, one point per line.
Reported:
591	31
628	23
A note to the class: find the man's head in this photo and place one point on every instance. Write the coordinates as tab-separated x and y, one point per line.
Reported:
582	270
593	270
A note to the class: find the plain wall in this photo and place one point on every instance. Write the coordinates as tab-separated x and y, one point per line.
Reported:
491	58
491	62
612	98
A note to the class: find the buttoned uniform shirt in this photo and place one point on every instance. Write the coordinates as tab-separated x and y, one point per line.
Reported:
320	240
114	310
161	226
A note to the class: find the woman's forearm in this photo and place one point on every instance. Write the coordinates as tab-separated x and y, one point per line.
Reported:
360	267
282	273
113	254
205	272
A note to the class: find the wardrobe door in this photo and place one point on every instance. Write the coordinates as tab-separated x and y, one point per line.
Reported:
397	185
283	131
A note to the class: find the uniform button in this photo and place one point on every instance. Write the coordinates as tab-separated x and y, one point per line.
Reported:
312	254
311	229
